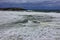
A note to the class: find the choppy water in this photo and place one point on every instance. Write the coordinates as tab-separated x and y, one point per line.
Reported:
29	26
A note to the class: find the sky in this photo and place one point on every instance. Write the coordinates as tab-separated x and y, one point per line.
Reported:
19	1
25	1
39	4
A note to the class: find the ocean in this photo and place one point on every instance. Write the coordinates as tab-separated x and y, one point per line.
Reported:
29	25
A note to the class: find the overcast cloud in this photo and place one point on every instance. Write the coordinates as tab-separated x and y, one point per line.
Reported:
25	1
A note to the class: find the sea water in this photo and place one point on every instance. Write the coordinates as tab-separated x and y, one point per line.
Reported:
22	25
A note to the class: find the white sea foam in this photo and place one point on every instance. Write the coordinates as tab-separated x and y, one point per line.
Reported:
11	27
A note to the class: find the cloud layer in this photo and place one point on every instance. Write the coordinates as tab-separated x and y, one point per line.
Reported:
25	1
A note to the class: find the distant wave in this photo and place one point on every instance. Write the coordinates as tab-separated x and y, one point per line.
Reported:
57	11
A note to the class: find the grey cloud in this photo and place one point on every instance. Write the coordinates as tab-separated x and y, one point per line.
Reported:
25	1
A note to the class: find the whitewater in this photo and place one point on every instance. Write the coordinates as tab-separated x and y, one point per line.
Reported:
22	25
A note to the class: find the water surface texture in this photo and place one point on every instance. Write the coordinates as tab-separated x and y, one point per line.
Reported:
15	25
